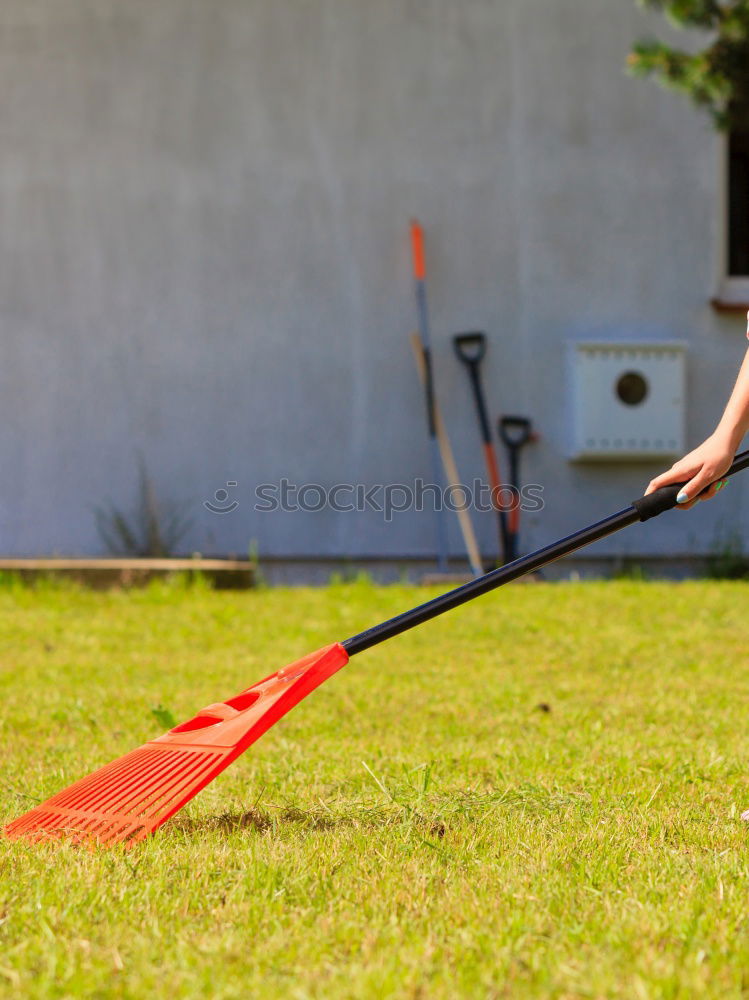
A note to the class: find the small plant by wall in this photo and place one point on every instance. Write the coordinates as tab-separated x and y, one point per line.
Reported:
728	561
154	529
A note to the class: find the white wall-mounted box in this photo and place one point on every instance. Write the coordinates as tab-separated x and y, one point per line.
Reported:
627	400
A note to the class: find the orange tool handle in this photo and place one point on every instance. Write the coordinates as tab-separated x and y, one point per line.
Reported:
492	467
417	243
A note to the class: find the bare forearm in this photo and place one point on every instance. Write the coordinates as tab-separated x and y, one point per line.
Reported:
734	423
701	470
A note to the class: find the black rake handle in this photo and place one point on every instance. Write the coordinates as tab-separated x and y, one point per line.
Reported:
643	509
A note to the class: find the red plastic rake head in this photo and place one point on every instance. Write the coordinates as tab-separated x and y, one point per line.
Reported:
132	796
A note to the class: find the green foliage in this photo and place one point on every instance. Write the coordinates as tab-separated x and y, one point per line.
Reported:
253	557
418	827
629	571
164	717
716	78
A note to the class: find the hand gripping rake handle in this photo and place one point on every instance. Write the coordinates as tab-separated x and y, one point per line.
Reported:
640	510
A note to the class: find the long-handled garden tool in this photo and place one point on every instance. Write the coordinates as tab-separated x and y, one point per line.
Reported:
470	349
451	469
420	275
132	796
516	433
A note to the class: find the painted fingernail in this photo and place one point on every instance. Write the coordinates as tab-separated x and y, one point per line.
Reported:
721	484
682	497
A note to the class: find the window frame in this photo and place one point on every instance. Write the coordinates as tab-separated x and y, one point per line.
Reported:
732	289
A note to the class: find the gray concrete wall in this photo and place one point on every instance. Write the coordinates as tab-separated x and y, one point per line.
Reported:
204	255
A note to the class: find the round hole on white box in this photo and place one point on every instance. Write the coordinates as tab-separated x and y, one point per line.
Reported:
632	388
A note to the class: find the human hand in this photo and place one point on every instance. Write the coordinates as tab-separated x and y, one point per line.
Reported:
701	470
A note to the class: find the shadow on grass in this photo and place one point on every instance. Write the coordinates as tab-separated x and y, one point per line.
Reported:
257	819
461	809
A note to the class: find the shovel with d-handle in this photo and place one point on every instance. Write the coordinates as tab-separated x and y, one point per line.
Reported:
470	349
516	433
128	799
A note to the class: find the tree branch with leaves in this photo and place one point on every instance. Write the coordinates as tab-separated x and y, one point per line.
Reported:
716	78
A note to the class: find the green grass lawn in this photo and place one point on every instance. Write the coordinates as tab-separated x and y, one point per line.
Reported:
420	826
